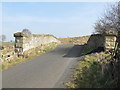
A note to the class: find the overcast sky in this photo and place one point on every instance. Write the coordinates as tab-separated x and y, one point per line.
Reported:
62	19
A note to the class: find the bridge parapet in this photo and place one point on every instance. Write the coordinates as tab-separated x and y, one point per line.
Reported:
24	42
107	40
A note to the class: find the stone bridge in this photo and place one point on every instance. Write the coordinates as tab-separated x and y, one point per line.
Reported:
24	42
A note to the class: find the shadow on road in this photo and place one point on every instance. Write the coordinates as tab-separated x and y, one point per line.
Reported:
74	52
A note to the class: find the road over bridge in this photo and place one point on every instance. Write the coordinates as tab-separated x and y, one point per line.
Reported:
47	71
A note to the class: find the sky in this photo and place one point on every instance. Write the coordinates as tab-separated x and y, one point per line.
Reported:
62	19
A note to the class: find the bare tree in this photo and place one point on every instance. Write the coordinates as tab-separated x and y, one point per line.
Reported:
26	31
3	38
110	20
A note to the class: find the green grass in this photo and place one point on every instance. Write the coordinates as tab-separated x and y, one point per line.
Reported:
28	55
7	44
75	40
7	47
88	73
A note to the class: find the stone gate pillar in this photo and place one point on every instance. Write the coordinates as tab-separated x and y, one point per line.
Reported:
18	43
110	37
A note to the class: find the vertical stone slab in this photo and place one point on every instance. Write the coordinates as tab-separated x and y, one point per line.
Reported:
18	43
110	39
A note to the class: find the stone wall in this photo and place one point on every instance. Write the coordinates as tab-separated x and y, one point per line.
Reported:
95	41
106	40
24	42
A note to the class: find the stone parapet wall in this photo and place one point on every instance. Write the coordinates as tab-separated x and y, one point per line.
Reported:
95	41
24	42
106	40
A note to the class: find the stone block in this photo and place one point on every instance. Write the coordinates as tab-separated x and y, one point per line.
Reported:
111	32
110	38
19	39
18	45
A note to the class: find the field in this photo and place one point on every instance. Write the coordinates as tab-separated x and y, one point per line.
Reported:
75	40
6	47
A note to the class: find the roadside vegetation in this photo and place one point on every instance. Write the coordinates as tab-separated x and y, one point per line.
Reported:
95	71
6	47
28	55
99	70
109	20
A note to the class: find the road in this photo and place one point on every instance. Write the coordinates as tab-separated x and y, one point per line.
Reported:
50	70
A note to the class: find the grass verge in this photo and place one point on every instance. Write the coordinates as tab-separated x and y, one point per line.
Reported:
91	72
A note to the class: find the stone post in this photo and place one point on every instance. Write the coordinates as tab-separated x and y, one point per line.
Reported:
110	37
19	43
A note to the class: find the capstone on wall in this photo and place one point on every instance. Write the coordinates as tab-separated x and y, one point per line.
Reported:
24	42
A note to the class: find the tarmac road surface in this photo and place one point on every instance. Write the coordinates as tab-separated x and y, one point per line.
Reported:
50	70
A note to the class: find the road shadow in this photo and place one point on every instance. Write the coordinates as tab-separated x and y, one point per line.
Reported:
75	51
97	50
61	49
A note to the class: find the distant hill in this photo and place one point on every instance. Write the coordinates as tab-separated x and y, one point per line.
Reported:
75	40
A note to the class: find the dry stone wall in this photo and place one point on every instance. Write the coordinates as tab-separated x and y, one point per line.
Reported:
24	42
95	41
106	40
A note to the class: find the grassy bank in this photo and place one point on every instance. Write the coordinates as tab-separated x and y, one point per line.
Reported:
93	71
28	55
75	40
